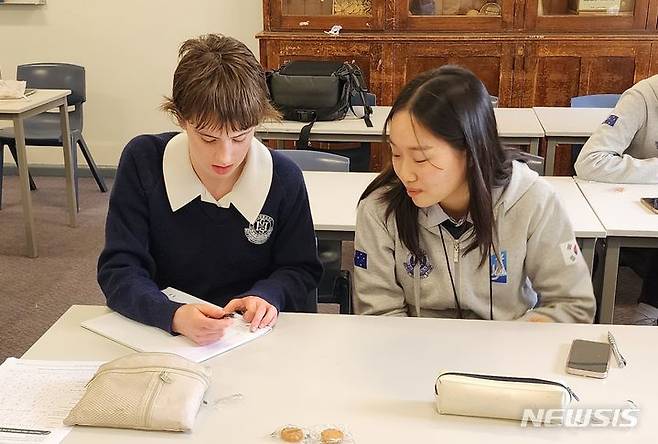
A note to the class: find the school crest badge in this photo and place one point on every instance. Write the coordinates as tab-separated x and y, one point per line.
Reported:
424	264
260	231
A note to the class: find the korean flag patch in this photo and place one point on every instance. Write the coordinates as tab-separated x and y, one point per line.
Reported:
360	259
611	120
570	252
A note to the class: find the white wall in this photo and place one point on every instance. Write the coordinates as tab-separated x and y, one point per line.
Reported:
129	49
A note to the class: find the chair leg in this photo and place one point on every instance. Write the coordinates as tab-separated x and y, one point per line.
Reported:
343	291
14	154
74	161
92	165
2	170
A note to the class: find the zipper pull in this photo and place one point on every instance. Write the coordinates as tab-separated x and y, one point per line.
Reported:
164	377
456	253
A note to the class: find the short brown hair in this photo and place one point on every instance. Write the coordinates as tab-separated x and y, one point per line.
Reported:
218	83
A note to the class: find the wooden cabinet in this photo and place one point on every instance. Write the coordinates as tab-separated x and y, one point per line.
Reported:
557	70
527	52
490	61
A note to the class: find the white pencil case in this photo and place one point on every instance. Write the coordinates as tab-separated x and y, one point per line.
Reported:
491	396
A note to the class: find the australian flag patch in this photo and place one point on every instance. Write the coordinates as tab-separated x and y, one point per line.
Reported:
611	120
361	259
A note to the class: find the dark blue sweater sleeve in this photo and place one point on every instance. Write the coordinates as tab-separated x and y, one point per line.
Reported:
297	269
126	268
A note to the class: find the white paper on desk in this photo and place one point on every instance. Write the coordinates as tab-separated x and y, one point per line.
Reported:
38	395
151	339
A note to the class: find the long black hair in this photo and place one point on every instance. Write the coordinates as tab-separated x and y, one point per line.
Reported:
455	106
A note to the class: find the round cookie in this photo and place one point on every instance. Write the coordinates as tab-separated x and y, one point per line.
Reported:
292	434
331	436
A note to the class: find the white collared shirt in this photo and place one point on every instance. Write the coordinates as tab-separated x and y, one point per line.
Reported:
248	194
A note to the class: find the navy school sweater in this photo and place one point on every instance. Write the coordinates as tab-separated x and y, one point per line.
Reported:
201	249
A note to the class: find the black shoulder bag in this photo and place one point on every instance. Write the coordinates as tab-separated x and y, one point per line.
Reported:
311	91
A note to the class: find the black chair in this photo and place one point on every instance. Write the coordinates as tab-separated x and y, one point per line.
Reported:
335	286
44	129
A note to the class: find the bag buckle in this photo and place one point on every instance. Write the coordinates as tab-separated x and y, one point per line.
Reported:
305	115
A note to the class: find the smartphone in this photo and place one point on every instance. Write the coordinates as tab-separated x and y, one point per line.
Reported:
651	203
588	358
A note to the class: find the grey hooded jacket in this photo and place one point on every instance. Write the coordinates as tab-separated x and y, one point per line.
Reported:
624	149
542	269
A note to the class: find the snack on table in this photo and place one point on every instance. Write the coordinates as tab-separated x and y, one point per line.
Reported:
331	436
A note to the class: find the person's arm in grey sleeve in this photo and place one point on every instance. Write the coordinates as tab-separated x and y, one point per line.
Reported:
556	267
603	159
376	290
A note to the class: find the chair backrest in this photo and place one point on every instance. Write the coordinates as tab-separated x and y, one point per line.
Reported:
308	160
535	163
55	76
595	101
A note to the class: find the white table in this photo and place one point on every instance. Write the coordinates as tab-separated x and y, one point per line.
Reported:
586	225
627	224
375	376
517	126
567	125
18	110
334	197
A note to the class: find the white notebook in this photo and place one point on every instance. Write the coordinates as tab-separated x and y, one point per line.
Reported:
152	339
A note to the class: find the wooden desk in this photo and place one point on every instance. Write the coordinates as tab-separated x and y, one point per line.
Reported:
567	125
18	110
375	376
627	224
517	126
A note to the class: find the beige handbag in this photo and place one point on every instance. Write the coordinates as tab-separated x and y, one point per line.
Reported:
147	391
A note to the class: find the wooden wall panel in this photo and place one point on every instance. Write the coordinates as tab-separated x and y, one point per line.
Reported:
492	63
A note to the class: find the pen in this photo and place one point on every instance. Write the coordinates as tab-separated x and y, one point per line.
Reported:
621	362
24	431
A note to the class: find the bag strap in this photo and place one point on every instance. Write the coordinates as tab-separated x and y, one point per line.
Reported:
303	143
356	83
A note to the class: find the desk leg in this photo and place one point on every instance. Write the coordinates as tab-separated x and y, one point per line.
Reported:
550	156
609	280
71	199
534	146
588	252
24	186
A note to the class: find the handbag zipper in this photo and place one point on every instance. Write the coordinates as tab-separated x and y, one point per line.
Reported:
159	382
196	375
510	379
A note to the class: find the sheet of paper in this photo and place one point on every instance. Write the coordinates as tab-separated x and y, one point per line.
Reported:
38	395
151	339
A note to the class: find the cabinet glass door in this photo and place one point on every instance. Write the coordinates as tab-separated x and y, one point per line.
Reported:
454	15
350	15
586	15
